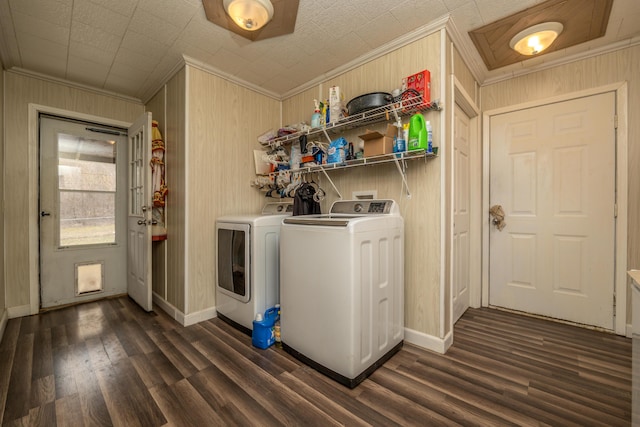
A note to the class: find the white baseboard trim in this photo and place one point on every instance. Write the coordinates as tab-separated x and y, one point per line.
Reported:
172	311
3	323
180	317
200	316
429	342
19	311
629	331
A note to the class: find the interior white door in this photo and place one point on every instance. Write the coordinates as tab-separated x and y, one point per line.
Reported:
461	217
553	173
82	211
139	213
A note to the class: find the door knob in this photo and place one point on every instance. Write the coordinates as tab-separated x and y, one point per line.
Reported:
497	214
142	222
45	213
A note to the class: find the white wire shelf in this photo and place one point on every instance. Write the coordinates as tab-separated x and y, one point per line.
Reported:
373	160
387	112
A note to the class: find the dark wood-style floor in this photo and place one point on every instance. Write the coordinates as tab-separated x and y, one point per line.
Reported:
110	363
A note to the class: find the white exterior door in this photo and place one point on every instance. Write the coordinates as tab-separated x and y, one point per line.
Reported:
461	203
553	172
139	213
82	211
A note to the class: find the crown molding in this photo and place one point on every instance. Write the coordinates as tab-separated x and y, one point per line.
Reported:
68	83
467	51
213	70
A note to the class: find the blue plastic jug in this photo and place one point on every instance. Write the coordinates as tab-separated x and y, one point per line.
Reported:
262	335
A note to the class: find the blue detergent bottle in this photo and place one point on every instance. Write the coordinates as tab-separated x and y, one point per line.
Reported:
262	335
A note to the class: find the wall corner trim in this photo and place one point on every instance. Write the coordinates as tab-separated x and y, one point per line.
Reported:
3	323
180	317
19	311
428	342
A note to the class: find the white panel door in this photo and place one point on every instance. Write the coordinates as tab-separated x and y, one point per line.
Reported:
553	173
139	213
461	194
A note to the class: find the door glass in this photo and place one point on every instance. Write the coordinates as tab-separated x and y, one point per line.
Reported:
87	191
136	169
231	261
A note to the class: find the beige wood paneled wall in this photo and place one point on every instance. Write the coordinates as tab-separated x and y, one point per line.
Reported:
224	121
464	75
614	67
175	165
21	187
422	211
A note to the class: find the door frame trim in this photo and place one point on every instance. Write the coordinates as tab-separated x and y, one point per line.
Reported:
34	193
465	101
621	140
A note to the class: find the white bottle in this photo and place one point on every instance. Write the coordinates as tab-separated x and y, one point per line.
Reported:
429	137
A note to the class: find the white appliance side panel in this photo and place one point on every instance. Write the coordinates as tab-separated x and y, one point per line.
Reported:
397	306
317	316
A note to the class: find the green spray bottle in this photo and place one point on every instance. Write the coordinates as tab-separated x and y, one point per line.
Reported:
417	133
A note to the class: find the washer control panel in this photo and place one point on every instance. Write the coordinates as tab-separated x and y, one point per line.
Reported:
364	207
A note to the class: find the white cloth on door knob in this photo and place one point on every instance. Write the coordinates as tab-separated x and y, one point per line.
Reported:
497	213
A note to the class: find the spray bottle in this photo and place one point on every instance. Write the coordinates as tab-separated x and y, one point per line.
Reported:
315	117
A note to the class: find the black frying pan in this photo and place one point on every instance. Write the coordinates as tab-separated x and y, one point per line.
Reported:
368	101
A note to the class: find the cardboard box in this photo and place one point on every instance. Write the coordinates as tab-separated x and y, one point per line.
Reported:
376	143
422	83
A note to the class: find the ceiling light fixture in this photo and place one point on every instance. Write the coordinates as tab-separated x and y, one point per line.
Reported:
537	38
250	15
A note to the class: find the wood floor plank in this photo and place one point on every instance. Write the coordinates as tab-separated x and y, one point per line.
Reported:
187	350
182	405
155	369
129	402
282	402
69	411
7	353
399	409
92	400
18	397
42	357
232	403
110	363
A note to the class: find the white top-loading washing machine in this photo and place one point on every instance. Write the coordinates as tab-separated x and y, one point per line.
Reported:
342	287
247	275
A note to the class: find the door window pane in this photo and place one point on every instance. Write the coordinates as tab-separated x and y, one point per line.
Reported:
87	190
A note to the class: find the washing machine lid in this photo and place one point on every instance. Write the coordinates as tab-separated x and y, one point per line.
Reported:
346	212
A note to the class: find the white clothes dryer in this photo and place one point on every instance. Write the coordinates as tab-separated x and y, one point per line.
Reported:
248	270
342	288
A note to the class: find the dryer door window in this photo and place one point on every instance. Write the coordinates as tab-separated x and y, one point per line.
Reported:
234	263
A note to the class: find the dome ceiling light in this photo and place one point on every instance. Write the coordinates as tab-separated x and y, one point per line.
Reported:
250	15
253	19
535	39
579	21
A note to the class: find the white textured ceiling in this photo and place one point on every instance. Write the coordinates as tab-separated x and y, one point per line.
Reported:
131	46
